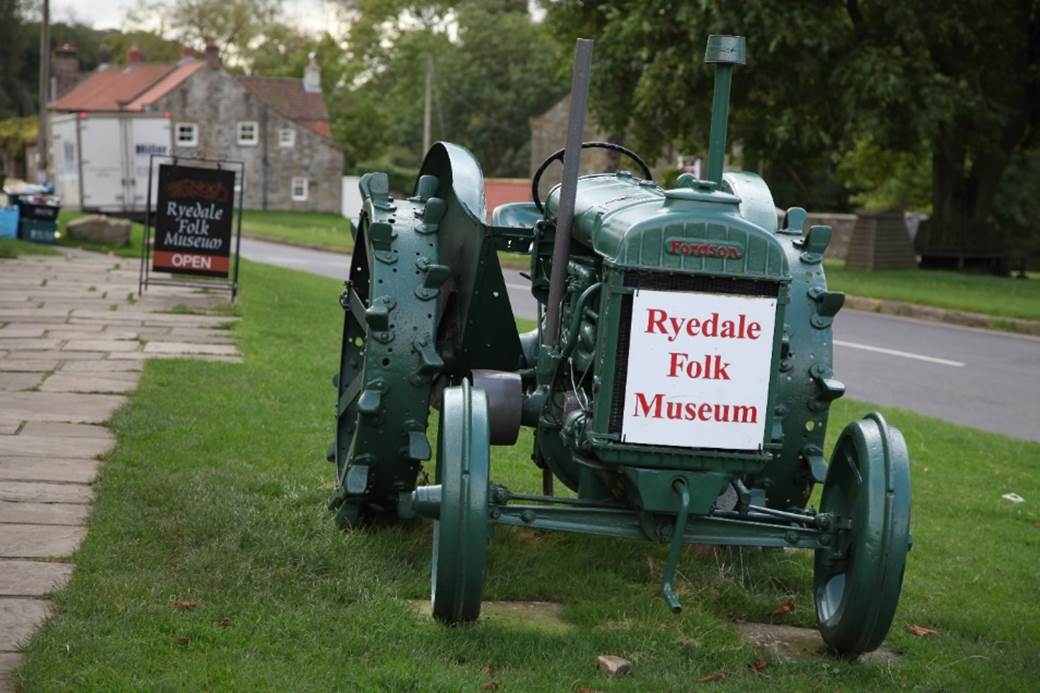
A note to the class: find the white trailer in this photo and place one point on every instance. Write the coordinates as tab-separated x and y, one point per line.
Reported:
101	159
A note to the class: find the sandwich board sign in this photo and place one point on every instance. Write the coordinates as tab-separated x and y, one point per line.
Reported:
193	224
193	221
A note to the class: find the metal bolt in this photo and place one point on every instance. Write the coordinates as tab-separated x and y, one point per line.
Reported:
527	516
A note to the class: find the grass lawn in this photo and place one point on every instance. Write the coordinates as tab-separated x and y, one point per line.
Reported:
215	494
12	248
311	229
997	296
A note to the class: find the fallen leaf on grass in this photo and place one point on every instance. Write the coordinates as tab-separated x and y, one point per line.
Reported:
711	678
101	457
226	622
184	604
758	665
489	686
784	608
488	668
921	631
689	642
182	640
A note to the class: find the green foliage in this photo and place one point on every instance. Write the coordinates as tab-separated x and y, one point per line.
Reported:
887	179
1017	208
16	133
951	85
493	69
232	24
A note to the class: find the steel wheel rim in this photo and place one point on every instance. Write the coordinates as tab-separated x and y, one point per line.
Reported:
460	534
868	484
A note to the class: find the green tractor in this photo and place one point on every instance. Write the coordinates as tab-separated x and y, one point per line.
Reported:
678	381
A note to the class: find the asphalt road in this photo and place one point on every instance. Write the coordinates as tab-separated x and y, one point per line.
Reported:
987	380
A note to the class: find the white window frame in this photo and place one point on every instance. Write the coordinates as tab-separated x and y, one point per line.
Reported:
193	142
248	142
299	196
287	137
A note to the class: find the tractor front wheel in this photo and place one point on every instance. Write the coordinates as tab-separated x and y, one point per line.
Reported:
460	534
857	582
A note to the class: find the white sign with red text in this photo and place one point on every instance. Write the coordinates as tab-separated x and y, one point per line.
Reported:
698	370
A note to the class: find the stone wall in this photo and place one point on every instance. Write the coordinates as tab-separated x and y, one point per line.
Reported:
216	103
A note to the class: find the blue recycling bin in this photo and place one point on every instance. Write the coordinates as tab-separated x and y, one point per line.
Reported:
9	222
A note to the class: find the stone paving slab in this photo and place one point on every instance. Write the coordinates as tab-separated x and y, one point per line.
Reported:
62	407
15	331
43	513
57	469
33	315
107	345
49	354
66	430
25	445
9	364
20	617
22	578
34	344
88	383
19	381
44	492
40	541
74	332
109	366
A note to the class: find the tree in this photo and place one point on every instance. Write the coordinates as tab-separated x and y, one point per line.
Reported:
16	97
234	25
494	68
960	77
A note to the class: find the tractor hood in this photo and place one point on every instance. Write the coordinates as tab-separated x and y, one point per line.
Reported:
635	224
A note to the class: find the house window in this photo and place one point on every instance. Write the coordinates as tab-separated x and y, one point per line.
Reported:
286	137
248	133
299	189
187	134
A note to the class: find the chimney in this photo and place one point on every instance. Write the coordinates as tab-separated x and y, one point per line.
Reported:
187	55
104	58
312	75
212	54
64	70
135	56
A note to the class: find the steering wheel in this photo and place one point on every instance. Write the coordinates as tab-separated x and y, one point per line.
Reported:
558	156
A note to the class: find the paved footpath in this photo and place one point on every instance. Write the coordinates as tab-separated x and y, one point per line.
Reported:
73	338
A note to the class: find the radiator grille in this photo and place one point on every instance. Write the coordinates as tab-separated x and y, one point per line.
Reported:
660	281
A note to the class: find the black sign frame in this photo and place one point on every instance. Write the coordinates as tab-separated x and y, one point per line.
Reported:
146	270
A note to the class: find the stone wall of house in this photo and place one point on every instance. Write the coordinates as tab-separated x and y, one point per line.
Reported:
216	103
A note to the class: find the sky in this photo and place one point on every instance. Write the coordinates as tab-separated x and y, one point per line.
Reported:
309	15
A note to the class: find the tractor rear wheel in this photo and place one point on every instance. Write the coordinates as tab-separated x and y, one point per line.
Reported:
460	535
389	355
858	581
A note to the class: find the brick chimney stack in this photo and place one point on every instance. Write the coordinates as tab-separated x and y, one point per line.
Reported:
65	72
187	55
312	74
213	61
135	56
104	58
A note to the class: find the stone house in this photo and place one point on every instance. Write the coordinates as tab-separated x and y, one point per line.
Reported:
278	127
